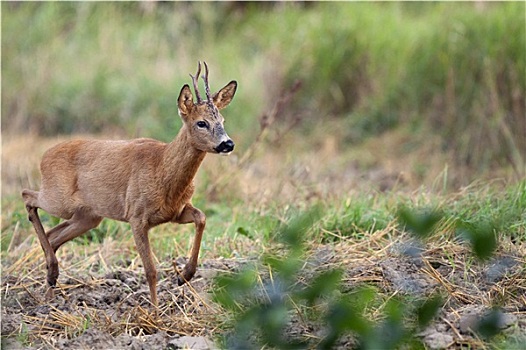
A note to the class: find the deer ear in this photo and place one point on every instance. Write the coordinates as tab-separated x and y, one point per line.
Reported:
223	97
185	102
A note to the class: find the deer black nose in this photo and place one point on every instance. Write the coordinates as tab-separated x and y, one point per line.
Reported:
225	146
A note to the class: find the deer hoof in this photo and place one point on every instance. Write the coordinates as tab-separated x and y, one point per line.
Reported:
185	277
180	280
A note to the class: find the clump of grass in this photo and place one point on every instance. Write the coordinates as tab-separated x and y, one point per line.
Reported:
357	217
506	208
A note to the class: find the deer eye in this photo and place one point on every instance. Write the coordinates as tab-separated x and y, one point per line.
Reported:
201	124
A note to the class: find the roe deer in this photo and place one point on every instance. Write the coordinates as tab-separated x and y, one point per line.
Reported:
143	182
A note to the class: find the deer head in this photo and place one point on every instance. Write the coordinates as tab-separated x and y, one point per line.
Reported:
202	118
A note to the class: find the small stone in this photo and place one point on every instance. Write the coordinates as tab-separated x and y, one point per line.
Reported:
499	268
437	340
468	322
195	343
131	281
181	260
507	320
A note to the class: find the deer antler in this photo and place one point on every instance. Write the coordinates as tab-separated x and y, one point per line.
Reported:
207	87
195	81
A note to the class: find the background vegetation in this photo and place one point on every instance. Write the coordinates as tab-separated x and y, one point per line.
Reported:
454	70
397	122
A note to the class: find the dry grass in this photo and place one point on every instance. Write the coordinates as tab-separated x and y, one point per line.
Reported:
468	287
113	299
103	296
99	290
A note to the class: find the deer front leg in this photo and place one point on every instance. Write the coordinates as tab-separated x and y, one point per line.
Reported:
140	235
49	252
189	215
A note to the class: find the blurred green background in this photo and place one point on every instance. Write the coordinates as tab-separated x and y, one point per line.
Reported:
456	70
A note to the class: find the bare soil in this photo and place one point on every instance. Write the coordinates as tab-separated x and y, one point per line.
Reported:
112	310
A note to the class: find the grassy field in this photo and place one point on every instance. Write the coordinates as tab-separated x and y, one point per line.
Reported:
404	127
359	231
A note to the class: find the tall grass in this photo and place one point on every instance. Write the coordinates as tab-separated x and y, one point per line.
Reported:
113	67
457	69
472	78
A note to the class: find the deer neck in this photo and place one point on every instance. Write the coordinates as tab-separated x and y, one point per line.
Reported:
181	161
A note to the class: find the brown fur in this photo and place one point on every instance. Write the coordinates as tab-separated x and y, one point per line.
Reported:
143	181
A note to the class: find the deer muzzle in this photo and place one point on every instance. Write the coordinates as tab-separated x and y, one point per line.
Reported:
225	147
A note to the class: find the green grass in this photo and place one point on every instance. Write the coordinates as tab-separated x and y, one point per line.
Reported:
505	209
358	217
354	217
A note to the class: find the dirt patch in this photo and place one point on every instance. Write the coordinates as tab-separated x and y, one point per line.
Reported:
471	291
112	310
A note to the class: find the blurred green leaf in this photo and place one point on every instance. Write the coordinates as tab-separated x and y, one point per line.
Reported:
390	332
285	268
231	290
342	316
321	285
362	296
394	309
293	235
420	223
388	335
481	236
428	310
272	320
489	325
243	231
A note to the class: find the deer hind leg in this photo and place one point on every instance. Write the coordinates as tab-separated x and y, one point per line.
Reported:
31	200
81	222
189	215
140	235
